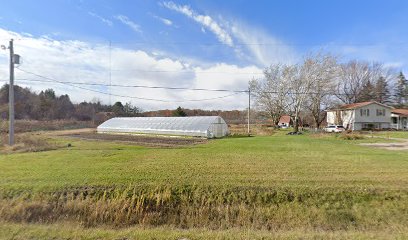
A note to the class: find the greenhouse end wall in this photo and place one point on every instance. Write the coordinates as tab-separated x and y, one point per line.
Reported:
203	126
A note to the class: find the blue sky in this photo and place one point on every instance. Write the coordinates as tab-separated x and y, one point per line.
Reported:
194	43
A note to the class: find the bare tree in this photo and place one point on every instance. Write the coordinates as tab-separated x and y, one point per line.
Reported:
297	78
271	93
321	70
353	78
283	91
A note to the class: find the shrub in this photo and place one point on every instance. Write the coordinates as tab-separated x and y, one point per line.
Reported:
351	136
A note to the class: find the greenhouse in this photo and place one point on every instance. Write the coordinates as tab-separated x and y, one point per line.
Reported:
206	126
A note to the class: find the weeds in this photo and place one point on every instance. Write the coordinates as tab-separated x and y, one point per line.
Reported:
351	136
28	143
34	125
194	206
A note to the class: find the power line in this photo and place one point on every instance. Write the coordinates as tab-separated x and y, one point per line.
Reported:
257	43
72	84
172	88
240	43
184	71
180	88
136	86
126	86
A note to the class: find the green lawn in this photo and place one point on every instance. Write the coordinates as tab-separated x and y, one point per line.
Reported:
278	183
392	134
52	231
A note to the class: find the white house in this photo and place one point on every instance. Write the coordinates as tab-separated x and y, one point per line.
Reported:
399	119
359	116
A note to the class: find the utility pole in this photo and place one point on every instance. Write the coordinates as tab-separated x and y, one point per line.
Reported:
249	111
11	95
110	73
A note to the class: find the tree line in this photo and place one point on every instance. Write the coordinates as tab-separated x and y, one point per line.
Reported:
320	82
46	105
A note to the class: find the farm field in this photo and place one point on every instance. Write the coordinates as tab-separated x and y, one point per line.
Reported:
275	186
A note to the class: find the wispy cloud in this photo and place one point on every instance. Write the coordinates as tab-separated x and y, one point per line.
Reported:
205	20
125	20
104	20
249	42
260	47
165	21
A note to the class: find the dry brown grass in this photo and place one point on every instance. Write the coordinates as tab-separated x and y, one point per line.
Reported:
22	126
192	207
256	129
351	136
28	143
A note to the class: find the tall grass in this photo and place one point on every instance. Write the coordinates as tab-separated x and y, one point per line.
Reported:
22	125
213	208
27	143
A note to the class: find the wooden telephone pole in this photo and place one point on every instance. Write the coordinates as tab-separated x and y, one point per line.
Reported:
14	59
11	94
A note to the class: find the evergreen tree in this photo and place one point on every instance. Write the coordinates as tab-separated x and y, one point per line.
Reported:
118	109
179	112
63	107
401	92
47	103
368	93
382	91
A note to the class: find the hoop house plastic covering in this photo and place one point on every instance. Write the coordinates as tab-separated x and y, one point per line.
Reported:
209	127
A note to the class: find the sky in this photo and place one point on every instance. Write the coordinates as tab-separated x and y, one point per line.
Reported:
189	44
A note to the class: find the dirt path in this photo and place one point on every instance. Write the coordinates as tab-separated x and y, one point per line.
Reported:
68	132
141	140
401	145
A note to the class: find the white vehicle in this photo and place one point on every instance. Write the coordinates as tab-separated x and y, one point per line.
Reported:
334	128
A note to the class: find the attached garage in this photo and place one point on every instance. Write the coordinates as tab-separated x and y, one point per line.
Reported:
203	126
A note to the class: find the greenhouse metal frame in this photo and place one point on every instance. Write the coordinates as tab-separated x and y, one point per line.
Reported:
201	126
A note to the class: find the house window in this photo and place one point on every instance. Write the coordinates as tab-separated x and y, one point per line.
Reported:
371	126
365	112
380	112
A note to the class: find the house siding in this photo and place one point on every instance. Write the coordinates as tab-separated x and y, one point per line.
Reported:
348	117
331	118
373	118
354	120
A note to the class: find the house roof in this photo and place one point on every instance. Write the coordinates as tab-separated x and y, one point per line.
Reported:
358	105
400	111
284	119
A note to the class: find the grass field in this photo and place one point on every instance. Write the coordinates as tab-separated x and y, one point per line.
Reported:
288	186
392	134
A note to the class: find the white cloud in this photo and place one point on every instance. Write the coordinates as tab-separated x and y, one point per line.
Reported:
205	20
125	20
104	20
78	61
165	21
